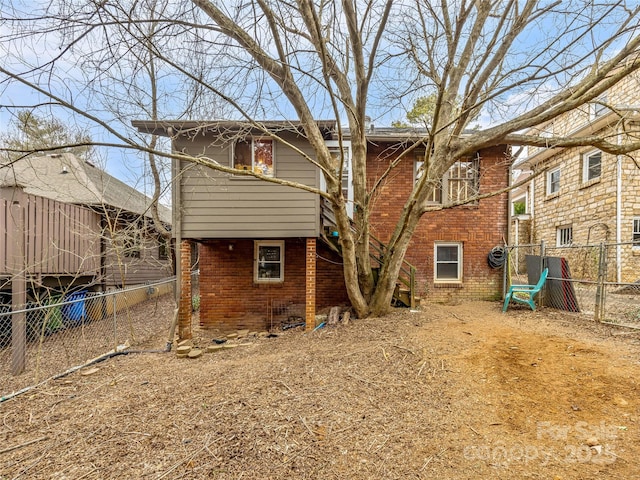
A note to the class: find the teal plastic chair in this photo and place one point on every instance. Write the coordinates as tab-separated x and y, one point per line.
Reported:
530	292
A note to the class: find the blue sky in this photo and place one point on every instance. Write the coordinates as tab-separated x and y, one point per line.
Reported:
129	165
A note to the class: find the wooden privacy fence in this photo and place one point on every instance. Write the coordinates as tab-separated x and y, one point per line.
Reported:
48	237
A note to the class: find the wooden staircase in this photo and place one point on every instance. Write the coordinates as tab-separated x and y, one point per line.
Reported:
404	294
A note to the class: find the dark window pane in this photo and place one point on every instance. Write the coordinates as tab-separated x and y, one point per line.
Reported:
269	270
447	271
447	254
269	253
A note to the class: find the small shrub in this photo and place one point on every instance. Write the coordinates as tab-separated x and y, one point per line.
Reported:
195	303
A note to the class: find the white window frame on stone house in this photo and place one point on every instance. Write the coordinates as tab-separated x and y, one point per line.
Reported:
553	185
598	107
522	199
591	166
636	233
564	236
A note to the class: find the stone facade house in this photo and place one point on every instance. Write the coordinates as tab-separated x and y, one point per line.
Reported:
584	196
267	252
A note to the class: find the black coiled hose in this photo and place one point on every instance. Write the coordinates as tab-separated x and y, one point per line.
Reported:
497	257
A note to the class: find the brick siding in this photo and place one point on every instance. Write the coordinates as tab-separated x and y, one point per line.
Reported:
479	227
230	299
184	306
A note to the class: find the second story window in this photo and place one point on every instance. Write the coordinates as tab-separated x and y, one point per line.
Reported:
591	166
459	184
341	153
418	171
553	181
598	108
256	155
462	181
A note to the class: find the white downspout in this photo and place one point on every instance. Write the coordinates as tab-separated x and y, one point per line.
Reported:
532	189
619	212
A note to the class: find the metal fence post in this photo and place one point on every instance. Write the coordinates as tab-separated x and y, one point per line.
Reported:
602	265
115	323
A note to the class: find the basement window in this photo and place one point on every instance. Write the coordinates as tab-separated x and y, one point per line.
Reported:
256	155
448	262
269	261
564	236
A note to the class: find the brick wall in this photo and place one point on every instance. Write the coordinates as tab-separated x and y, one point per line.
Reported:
184	304
479	227
230	299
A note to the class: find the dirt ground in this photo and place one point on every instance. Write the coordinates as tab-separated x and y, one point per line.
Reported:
450	392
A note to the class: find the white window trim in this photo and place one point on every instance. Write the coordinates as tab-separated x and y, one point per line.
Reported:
597	109
585	166
444	181
636	223
559	235
548	178
349	171
256	261
253	152
435	262
520	199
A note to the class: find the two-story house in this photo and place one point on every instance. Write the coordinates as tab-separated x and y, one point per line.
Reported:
266	254
584	196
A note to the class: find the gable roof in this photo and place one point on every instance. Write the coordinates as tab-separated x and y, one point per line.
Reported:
66	178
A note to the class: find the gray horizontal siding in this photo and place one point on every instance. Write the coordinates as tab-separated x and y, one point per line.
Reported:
218	205
122	270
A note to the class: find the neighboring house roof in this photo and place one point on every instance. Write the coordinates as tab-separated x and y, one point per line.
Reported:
66	178
609	119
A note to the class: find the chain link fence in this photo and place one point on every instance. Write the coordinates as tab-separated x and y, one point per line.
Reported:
582	279
62	332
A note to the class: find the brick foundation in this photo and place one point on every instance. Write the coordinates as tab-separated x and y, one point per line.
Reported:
230	299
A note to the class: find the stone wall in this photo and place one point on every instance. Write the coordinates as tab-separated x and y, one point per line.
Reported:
591	208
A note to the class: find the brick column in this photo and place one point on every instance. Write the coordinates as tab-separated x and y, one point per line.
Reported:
184	305
310	284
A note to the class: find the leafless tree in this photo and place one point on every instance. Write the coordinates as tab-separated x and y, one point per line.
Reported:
345	60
